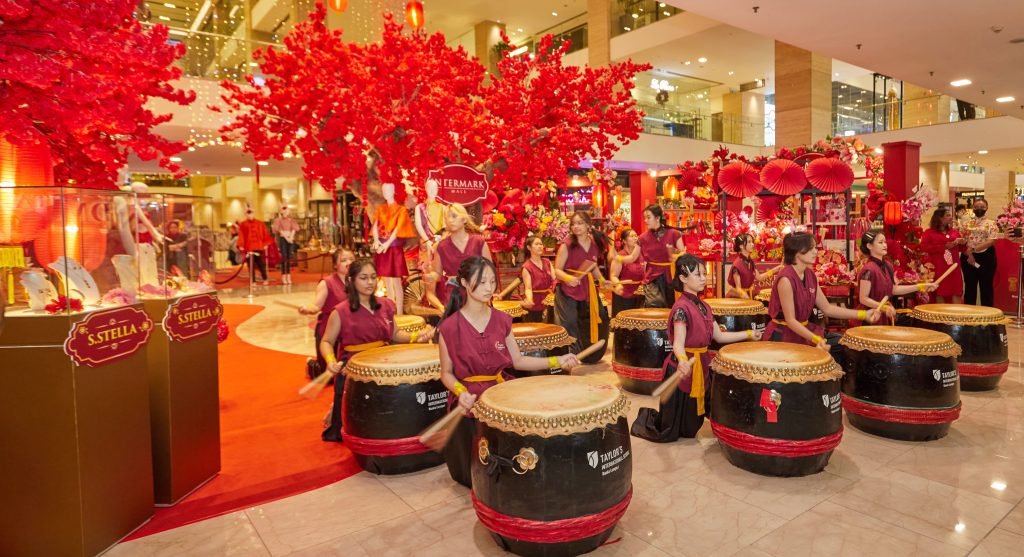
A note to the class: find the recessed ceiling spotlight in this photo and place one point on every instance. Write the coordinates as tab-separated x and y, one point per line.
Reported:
245	169
983	152
175	159
1005	99
262	163
960	82
165	18
702	59
636	16
627	29
686	63
730	73
554	14
169	5
520	29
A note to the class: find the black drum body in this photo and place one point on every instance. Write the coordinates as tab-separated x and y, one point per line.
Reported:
575	475
900	384
802	412
638	358
541	353
738	323
985	356
381	412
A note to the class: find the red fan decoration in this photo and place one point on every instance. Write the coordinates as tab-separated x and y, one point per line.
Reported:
768	208
783	177
829	175
691	178
739	179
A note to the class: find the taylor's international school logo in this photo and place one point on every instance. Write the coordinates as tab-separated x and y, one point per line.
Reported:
824	400
592	459
421	397
937	374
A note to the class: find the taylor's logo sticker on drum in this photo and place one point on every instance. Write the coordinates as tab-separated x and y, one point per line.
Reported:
421	397
1002	337
833	403
592	459
824	400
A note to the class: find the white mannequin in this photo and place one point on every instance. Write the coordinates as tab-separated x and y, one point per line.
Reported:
39	289
76	280
430	226
393	284
127	272
147	265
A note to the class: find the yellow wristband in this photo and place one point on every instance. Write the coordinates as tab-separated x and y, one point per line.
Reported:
750	333
816	340
458	389
553	362
921	287
330	359
413	337
862	314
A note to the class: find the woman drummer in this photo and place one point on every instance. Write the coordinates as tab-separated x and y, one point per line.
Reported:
626	272
578	306
657	246
476	346
744	273
463	240
360	322
796	294
538	281
330	292
877	278
691	328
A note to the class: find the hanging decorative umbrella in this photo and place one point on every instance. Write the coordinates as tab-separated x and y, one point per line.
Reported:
829	175
739	179
783	177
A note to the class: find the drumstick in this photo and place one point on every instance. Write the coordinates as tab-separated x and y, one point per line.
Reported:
437	435
289	304
882	303
664	391
313	388
590	349
583	273
510	288
946	274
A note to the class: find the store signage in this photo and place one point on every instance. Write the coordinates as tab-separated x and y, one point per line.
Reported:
192	317
108	335
458	183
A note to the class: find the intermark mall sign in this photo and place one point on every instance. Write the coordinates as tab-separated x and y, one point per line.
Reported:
458	183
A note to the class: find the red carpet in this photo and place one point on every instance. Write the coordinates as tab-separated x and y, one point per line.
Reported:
270	436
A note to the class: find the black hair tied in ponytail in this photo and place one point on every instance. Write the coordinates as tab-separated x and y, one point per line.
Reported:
472	271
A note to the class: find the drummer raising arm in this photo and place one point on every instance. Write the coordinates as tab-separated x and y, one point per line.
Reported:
476	346
877	278
796	294
538	280
744	273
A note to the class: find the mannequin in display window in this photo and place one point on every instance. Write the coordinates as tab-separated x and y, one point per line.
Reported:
253	237
285	227
429	220
391	227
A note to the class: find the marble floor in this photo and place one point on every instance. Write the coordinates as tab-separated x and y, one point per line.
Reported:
961	495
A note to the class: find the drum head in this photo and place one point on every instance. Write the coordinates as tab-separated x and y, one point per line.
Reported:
783	362
959	314
912	341
397	364
551	405
540	336
646	318
511	307
735	306
410	323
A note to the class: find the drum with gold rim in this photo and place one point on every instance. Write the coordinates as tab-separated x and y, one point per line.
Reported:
737	315
551	449
640	348
776	407
542	340
981	333
410	323
514	308
393	393
900	382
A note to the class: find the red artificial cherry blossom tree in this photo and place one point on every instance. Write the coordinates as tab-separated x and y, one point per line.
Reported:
76	75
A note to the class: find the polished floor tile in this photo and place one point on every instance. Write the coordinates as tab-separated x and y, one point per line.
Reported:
231	535
1000	543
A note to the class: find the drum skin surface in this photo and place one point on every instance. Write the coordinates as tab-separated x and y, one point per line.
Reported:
393	392
737	315
640	348
575	428
540	340
776	393
900	382
981	333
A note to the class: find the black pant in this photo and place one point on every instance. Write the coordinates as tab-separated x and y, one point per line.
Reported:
259	261
675	419
658	293
981	277
333	431
574	316
287	252
539	316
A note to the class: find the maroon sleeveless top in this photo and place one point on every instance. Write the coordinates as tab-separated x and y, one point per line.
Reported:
882	278
451	258
631	271
336	294
744	268
805	294
475	353
655	247
700	325
541	281
362	326
577	260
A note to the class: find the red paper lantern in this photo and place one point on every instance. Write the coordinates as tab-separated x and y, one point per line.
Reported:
671	187
23	217
338	5
414	14
739	179
829	175
783	177
892	213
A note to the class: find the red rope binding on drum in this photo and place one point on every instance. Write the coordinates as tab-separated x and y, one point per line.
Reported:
384	447
983	370
550	531
641	373
887	413
775	447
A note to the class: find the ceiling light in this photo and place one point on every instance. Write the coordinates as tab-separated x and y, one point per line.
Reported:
661	4
165	18
983	152
636	16
518	51
554	14
666	13
175	159
960	82
687	63
702	59
1005	99
878	150
520	29
730	73
253	64
999	486
287	155
191	149
837	74
177	32
627	28
262	163
245	169
170	5
652	173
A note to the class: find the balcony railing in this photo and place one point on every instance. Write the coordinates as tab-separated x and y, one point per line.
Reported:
861	118
216	56
698	124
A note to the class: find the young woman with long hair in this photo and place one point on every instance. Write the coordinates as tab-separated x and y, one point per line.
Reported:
578	306
330	292
463	240
659	245
878	278
743	273
942	242
538	281
626	273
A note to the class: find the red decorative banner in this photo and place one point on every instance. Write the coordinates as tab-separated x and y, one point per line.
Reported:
459	183
192	317
108	335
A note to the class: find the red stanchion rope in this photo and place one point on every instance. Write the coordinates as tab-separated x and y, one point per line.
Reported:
551	531
310	258
384	447
982	370
232	277
641	373
775	447
903	415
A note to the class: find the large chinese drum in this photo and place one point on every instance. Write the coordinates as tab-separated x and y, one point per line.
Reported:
514	308
981	333
392	394
776	407
552	472
900	382
410	323
542	340
640	348
737	315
